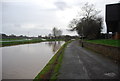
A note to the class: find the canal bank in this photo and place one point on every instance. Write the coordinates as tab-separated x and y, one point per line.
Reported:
51	70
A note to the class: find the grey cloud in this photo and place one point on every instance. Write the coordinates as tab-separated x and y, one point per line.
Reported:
17	25
18	30
61	5
21	13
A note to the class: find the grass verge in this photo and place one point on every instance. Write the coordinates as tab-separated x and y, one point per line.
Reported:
108	42
51	70
20	42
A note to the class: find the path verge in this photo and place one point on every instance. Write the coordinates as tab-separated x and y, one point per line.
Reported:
51	70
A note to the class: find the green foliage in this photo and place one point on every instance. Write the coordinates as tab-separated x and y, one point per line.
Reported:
109	42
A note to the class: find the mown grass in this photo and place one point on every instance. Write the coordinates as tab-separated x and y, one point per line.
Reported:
51	70
108	42
20	42
11	39
2	44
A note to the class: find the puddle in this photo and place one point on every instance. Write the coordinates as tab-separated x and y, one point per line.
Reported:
110	74
68	46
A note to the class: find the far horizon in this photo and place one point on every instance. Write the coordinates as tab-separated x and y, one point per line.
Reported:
38	35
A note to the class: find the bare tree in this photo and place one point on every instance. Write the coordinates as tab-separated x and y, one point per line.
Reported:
90	24
56	32
89	11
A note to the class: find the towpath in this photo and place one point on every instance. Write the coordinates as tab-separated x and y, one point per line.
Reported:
80	63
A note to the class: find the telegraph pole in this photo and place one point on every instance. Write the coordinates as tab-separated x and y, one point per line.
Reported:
82	36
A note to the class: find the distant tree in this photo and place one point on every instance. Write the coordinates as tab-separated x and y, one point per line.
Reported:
39	36
59	32
89	24
2	36
50	36
56	32
12	36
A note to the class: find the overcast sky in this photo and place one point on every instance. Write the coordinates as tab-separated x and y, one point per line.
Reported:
38	17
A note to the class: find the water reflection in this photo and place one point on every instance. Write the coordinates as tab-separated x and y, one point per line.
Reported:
55	45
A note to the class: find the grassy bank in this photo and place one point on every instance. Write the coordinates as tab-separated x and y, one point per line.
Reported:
7	39
20	42
109	42
51	70
2	44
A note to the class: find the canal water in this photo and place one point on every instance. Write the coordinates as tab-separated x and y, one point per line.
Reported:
26	61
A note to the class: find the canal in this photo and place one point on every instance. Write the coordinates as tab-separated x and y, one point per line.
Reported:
26	61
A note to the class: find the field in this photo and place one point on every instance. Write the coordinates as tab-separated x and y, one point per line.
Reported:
9	42
11	39
109	42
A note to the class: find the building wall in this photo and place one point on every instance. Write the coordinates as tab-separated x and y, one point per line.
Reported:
113	19
116	36
113	12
